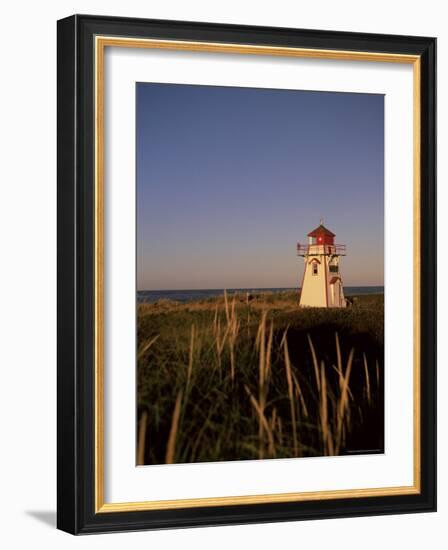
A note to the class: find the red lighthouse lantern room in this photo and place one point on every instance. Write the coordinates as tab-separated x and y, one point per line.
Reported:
321	235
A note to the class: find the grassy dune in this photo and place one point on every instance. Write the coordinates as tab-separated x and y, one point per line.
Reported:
222	379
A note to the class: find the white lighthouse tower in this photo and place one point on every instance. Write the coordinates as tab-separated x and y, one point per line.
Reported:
322	279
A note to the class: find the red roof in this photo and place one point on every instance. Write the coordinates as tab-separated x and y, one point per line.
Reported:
321	230
334	280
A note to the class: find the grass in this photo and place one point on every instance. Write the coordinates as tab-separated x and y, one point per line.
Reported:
227	379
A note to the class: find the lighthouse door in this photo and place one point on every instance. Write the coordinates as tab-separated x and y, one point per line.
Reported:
335	291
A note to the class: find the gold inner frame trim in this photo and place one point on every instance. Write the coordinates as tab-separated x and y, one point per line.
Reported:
101	42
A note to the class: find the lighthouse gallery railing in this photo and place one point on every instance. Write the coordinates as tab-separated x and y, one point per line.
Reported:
328	249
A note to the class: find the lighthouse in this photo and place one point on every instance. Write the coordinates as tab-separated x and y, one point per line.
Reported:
322	279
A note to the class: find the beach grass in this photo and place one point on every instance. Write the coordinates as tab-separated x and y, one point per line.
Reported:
238	377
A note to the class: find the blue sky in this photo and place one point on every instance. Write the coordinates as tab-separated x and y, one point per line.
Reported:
230	179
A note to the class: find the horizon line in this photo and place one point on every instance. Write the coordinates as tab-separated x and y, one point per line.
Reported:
242	288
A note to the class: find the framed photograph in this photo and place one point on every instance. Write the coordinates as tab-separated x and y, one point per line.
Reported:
246	274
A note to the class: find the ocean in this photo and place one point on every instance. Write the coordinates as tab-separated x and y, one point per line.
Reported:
151	296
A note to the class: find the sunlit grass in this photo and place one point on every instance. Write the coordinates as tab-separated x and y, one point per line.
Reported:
227	379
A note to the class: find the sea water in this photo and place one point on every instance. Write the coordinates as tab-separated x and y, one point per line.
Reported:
192	295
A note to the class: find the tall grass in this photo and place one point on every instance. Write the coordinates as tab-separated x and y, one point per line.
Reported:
292	402
227	380
172	438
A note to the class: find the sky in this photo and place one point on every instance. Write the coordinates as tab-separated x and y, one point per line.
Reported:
230	179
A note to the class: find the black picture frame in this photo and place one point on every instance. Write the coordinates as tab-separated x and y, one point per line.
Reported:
76	285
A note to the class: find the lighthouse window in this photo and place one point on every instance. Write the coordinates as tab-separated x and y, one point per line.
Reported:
333	268
314	268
